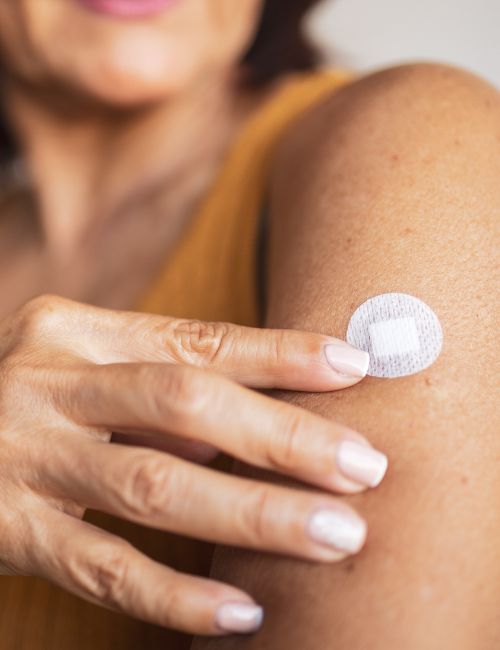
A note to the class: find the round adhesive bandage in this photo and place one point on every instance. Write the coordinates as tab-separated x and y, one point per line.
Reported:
401	333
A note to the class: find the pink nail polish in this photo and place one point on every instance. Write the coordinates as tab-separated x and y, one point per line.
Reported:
346	360
361	463
239	617
341	531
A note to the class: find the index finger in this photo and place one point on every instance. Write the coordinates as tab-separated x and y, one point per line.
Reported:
261	358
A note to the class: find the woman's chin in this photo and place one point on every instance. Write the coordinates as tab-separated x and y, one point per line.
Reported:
128	92
138	73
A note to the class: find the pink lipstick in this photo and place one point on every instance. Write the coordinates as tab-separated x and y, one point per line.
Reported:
127	8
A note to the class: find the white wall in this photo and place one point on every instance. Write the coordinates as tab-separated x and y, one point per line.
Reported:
366	34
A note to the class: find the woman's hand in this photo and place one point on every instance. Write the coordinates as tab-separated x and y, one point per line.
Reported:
71	374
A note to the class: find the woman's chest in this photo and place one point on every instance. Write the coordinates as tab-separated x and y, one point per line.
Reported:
113	267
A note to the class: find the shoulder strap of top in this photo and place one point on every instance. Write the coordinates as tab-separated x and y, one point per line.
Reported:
212	273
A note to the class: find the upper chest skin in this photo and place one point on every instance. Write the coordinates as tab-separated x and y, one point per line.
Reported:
112	267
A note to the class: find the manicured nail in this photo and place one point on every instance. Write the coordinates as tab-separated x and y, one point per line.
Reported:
361	463
239	617
346	360
341	531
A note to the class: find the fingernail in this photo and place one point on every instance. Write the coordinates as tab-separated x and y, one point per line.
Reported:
341	531
361	463
239	617
346	360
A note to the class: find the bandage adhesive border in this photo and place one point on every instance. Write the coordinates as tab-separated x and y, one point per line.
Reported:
400	332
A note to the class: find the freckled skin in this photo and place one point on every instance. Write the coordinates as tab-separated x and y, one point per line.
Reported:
429	576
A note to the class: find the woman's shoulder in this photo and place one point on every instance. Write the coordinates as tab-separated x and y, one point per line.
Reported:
306	98
366	106
300	93
281	112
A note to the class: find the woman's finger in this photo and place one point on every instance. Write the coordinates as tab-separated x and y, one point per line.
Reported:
261	358
204	406
171	494
198	452
108	571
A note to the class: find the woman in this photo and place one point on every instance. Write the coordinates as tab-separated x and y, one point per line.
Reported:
149	149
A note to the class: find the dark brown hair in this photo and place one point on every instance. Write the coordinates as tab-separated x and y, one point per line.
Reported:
280	45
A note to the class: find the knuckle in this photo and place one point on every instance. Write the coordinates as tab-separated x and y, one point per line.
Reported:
183	395
255	515
201	343
284	451
41	314
173	605
103	574
152	488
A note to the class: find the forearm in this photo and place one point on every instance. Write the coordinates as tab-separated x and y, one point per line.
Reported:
407	207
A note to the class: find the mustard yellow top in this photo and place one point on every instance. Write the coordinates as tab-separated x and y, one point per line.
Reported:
211	275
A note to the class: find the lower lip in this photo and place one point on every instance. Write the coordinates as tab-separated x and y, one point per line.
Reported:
127	8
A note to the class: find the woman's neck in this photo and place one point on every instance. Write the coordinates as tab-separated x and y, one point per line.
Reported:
89	165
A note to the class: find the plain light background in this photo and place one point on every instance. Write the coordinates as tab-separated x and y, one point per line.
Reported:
368	34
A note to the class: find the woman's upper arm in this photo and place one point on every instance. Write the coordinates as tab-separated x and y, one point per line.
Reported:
393	185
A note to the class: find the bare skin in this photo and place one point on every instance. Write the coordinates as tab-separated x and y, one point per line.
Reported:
137	172
72	374
400	192
115	147
110	116
129	117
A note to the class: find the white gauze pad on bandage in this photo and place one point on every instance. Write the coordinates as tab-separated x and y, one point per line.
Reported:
401	333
